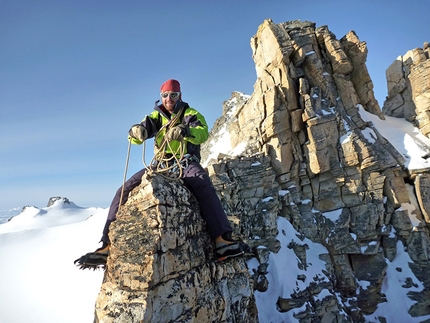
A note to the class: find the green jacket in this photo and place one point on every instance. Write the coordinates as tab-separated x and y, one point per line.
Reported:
157	122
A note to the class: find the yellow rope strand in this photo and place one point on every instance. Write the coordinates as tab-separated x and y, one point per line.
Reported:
125	175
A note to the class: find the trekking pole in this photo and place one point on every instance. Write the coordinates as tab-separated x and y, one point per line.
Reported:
125	175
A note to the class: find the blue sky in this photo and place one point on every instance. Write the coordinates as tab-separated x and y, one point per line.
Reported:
75	75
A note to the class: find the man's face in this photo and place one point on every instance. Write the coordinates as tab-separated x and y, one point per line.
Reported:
169	99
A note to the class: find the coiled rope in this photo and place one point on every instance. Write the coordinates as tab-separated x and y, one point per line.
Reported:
169	166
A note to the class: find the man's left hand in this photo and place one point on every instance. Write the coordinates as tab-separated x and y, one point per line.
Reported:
178	132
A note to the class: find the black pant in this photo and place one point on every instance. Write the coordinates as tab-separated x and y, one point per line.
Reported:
198	182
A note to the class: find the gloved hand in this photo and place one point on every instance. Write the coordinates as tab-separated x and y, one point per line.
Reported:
138	132
178	132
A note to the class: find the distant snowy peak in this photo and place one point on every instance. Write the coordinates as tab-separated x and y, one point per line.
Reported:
61	202
219	143
230	106
60	211
58	199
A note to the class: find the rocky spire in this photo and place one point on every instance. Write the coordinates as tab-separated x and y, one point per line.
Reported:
161	267
304	115
408	82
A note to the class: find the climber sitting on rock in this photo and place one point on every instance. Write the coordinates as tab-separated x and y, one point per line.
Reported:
190	130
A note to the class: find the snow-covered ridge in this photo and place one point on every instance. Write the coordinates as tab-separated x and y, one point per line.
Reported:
61	212
37	250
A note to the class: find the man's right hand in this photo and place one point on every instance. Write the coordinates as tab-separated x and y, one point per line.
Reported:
138	132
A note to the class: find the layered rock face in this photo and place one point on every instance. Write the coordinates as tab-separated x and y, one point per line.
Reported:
408	82
325	160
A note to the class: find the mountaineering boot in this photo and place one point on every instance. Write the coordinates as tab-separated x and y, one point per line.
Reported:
230	248
94	260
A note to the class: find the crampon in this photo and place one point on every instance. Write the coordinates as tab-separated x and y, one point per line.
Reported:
232	250
92	260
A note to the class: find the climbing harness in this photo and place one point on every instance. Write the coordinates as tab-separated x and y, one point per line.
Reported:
169	166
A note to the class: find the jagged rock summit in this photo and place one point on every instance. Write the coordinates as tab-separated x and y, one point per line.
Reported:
301	173
408	83
161	267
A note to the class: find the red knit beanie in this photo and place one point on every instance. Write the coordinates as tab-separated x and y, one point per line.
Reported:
171	85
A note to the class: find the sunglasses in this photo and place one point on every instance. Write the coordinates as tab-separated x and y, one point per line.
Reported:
172	95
